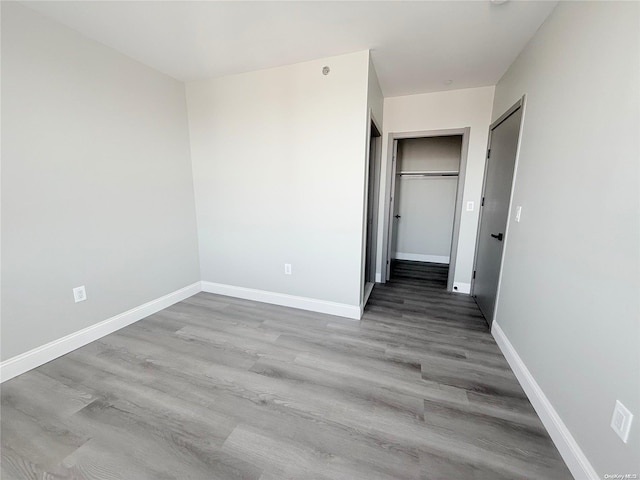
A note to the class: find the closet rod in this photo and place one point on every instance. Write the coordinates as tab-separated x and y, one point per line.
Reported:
428	174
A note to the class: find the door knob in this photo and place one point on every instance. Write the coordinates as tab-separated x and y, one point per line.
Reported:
397	216
499	236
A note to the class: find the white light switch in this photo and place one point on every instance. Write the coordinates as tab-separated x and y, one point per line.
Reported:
518	213
287	269
79	294
470	206
621	421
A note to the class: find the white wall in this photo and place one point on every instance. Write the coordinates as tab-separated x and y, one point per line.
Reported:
375	99
569	300
96	182
452	109
278	163
426	205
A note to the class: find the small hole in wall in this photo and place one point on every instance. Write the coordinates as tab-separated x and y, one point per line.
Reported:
455	288
325	70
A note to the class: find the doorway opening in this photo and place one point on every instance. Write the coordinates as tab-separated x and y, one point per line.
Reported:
371	209
426	182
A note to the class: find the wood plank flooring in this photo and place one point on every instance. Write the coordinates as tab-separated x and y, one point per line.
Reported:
221	388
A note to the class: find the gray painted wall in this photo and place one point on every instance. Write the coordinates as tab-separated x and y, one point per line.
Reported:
279	171
96	182
569	301
426	204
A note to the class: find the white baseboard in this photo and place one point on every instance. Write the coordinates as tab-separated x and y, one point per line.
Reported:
569	449
462	287
39	356
303	303
418	257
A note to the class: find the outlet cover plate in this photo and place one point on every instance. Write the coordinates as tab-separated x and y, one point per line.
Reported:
621	421
79	294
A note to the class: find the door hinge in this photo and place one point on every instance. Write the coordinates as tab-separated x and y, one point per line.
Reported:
482	202
474	274
489	153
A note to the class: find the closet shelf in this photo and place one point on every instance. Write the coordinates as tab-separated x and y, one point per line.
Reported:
428	173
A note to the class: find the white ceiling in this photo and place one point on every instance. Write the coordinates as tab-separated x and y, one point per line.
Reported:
416	46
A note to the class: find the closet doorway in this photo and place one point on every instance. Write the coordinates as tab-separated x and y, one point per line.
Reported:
425	204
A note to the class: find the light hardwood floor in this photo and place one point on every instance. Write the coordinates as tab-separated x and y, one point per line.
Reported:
221	388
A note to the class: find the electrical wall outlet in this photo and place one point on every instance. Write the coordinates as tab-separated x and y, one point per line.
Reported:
79	294
621	421
287	269
470	206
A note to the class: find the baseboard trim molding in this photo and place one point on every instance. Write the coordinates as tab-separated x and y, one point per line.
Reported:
569	449
303	303
462	287
418	257
40	355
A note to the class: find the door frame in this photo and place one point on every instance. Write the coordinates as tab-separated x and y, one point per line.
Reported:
520	104
365	291
392	140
